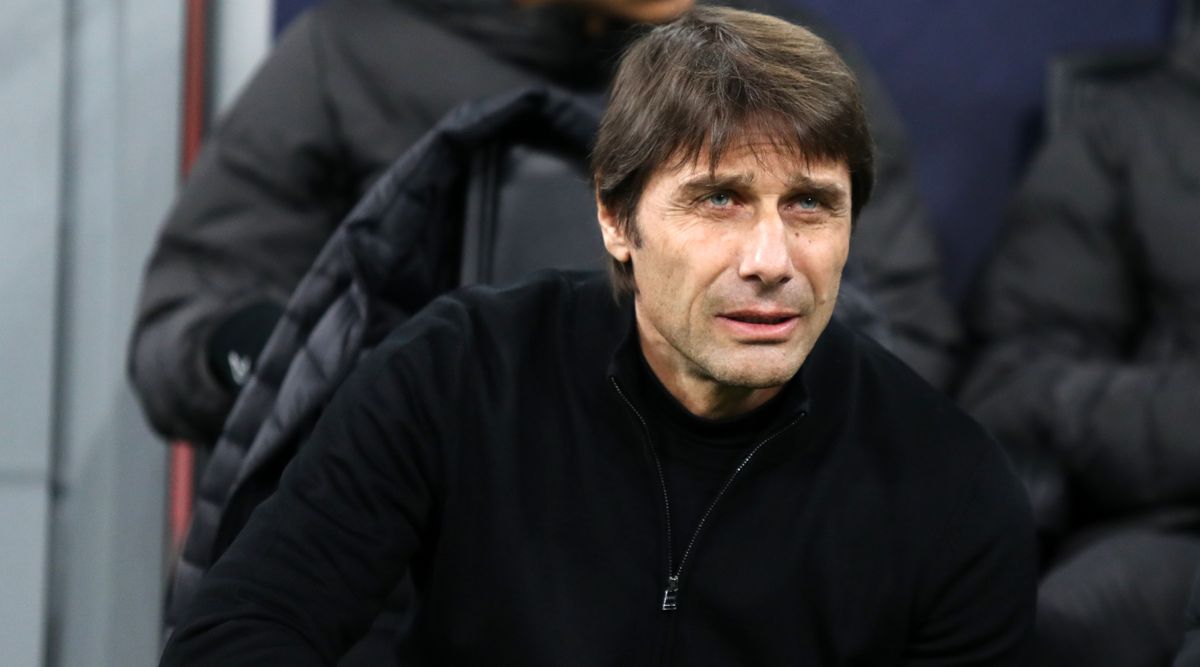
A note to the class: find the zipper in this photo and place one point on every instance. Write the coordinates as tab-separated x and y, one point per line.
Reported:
670	597
669	600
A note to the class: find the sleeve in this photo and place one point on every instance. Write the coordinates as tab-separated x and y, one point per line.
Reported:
981	581
263	196
895	248
316	561
1073	371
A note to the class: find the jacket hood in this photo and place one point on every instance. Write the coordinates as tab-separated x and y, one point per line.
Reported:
552	38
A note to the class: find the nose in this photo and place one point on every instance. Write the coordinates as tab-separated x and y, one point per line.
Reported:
765	256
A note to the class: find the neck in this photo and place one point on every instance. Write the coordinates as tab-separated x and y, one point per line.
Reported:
699	394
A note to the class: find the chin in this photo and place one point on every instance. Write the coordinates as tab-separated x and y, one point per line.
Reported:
753	374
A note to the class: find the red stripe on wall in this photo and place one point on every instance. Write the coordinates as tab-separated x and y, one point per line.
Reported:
195	80
195	75
182	465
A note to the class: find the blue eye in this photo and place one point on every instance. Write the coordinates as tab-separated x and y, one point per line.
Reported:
808	203
720	199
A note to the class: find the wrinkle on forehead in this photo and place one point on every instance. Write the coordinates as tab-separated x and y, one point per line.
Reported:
797	170
769	137
746	179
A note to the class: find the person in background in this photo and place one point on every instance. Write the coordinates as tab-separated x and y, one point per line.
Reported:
704	470
349	87
1089	370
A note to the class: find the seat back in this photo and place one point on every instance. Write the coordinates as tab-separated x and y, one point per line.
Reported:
529	206
1075	80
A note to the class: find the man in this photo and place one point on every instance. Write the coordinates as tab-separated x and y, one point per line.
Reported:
704	470
1089	318
348	89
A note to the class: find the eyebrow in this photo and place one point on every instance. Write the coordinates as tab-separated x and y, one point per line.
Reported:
703	183
742	180
823	188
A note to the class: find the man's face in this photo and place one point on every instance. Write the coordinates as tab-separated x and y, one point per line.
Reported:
737	271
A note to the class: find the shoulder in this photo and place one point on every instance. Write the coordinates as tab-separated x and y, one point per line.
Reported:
902	424
386	42
858	375
946	478
542	304
392	42
342	16
552	315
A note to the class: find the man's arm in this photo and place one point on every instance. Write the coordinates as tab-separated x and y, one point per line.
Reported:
1076	365
979	585
317	560
262	198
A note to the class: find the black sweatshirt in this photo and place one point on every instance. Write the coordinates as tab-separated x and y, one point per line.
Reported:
492	447
697	455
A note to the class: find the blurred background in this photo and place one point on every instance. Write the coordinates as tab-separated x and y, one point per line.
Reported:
104	102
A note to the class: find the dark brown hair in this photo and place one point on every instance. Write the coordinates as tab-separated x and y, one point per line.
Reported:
695	86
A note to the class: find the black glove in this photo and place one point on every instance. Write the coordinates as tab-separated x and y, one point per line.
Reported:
234	346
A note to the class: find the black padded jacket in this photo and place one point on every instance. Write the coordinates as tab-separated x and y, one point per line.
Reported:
1089	312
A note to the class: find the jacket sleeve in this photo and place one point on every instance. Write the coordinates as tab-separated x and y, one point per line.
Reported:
980	582
316	561
262	198
1075	367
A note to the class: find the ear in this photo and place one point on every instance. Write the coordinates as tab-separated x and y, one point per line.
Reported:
615	240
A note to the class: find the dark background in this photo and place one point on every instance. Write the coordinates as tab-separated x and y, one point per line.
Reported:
968	79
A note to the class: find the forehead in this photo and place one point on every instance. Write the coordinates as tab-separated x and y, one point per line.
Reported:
756	159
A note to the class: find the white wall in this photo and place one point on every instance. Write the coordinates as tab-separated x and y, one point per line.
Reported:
31	67
89	98
242	37
120	121
89	115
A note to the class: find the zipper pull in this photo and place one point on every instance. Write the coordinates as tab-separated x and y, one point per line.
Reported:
669	601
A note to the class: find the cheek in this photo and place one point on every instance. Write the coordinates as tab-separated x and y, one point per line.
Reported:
686	261
680	284
821	258
835	259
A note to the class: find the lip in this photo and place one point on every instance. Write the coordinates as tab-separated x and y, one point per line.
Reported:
737	322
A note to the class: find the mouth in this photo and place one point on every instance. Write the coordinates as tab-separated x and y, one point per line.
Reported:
760	325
